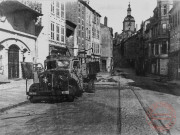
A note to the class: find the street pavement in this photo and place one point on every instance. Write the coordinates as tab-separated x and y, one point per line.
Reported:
119	105
109	111
150	91
13	94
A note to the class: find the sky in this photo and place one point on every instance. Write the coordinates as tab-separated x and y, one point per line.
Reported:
116	11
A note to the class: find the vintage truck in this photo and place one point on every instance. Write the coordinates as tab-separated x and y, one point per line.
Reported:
62	77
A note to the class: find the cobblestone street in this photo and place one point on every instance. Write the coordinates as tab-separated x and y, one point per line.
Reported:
109	110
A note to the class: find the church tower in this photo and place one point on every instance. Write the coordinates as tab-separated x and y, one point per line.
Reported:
129	22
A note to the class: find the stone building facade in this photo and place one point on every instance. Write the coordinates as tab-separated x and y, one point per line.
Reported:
75	12
174	52
87	31
106	47
159	38
18	38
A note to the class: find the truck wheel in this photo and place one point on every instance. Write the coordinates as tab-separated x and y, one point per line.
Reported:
72	91
91	87
31	99
70	98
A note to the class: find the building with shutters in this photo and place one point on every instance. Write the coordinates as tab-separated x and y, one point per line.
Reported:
52	38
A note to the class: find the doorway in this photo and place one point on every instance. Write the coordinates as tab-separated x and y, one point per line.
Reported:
103	65
13	62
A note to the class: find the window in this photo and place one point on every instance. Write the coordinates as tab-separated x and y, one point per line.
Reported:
62	10
52	7
94	18
76	64
89	34
82	34
164	26
98	34
92	48
164	47
165	9
62	33
89	20
63	63
152	49
52	30
57	32
79	33
57	9
157	50
97	20
96	48
94	32
98	51
79	21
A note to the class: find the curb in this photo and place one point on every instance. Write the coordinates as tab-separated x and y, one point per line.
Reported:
13	106
144	107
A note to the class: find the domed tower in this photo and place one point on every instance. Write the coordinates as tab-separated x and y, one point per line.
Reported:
129	22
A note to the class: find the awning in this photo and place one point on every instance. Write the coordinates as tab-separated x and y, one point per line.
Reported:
70	27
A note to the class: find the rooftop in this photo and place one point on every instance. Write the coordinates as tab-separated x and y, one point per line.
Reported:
89	7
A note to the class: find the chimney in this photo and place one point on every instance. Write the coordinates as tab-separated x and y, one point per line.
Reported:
136	27
116	35
111	30
105	21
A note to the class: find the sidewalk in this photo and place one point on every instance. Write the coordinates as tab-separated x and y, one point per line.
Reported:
128	71
13	94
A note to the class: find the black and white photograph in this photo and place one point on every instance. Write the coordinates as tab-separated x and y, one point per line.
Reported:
89	67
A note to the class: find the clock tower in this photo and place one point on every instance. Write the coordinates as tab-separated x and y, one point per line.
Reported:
129	22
